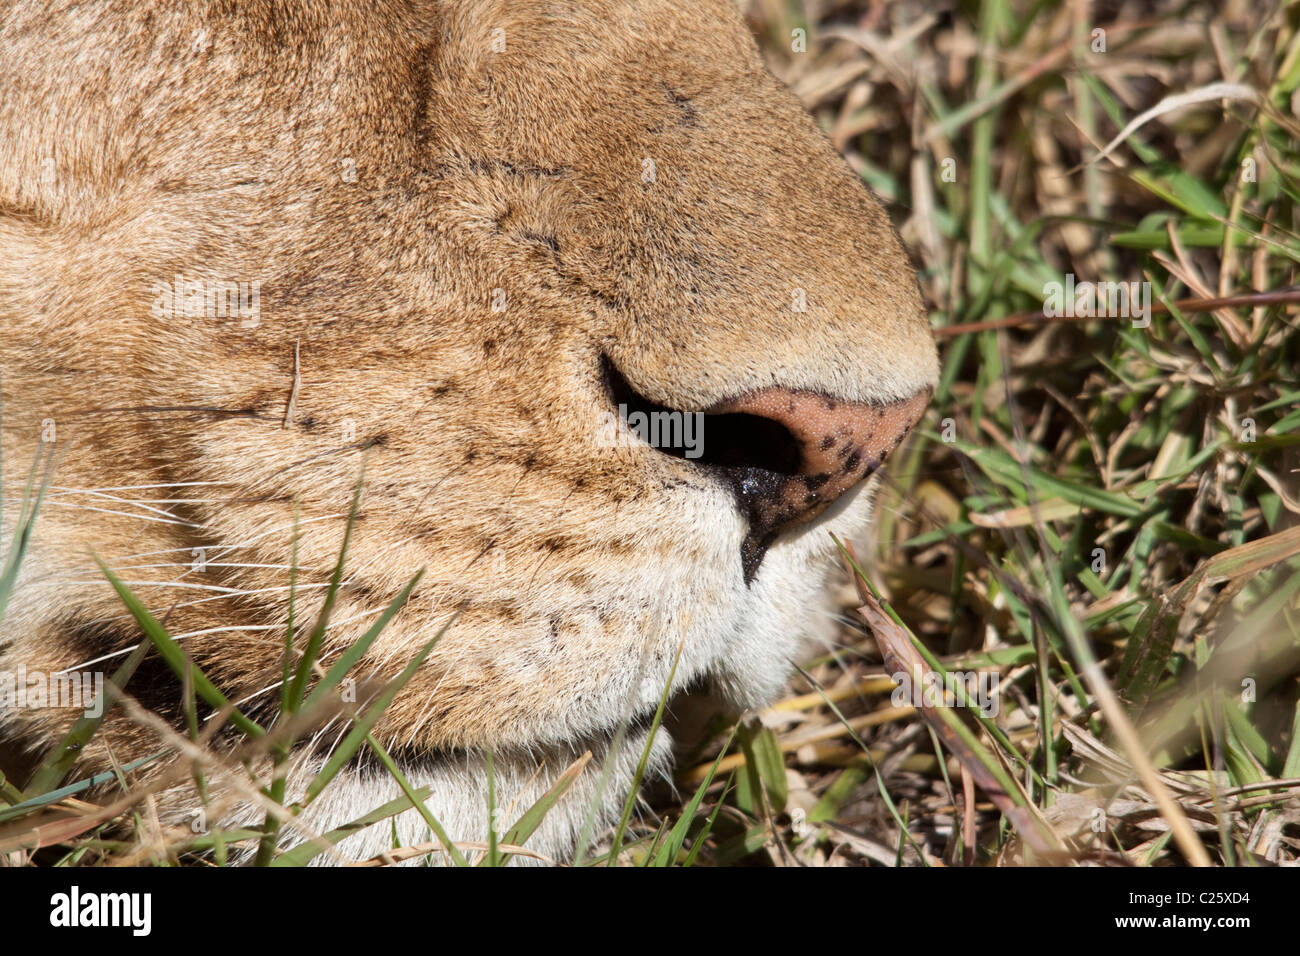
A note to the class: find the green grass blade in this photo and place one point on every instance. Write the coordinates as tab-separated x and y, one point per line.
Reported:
175	657
532	818
54	769
362	725
304	853
617	843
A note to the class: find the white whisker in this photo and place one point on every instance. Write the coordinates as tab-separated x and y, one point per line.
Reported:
124	514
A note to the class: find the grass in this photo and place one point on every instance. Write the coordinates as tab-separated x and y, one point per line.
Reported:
1104	515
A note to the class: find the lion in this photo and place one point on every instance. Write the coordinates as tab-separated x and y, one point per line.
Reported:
260	259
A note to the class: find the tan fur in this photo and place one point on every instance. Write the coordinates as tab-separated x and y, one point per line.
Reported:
215	141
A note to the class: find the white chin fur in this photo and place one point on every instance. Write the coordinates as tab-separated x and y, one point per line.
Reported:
459	802
788	608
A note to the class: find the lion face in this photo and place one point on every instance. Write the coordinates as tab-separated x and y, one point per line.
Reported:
465	244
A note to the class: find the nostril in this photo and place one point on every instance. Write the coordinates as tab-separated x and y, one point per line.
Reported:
746	442
840	444
735	441
786	454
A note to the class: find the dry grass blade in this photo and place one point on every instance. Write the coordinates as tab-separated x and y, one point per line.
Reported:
901	657
1206	94
896	647
1252	557
405	853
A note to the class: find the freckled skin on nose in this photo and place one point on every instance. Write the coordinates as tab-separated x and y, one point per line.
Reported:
840	444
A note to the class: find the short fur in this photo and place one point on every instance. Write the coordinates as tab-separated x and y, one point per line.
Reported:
454	210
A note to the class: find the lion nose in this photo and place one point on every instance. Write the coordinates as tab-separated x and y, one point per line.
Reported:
831	446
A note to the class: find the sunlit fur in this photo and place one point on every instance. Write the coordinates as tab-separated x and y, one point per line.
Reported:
620	179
